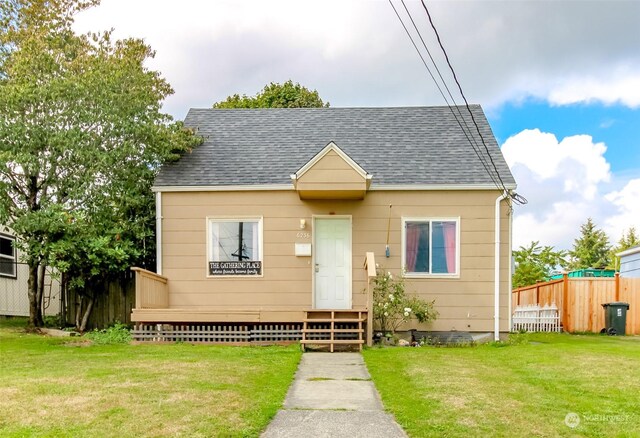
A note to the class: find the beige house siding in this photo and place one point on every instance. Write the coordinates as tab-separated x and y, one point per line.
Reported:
465	303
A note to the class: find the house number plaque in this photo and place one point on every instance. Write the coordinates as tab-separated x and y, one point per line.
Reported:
235	268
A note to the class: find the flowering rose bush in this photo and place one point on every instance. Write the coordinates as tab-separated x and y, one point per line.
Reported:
391	305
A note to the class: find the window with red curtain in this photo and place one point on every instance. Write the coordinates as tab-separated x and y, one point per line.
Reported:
431	246
417	247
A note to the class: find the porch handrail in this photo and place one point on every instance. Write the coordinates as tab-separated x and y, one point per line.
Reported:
152	290
370	267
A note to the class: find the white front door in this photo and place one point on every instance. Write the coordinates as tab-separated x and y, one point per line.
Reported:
332	259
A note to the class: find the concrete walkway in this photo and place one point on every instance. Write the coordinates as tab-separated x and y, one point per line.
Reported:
332	396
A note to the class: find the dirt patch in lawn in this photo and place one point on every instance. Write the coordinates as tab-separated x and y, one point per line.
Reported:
82	343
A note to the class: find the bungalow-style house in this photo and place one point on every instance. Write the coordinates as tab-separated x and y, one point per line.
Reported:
14	277
272	228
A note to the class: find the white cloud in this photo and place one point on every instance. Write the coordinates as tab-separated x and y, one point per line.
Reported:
627	203
566	182
575	161
356	52
607	123
609	89
209	50
557	226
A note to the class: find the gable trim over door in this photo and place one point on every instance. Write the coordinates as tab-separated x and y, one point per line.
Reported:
332	285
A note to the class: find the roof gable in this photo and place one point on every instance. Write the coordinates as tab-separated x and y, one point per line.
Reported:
331	174
330	150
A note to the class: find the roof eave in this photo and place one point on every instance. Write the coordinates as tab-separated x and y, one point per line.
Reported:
630	251
284	187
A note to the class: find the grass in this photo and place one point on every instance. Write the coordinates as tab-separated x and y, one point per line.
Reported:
69	387
520	390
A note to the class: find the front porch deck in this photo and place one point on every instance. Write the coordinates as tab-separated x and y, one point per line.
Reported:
156	321
207	315
306	326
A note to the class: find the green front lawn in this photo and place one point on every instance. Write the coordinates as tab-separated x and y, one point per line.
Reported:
64	387
517	390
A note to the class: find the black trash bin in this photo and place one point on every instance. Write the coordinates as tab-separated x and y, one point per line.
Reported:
615	318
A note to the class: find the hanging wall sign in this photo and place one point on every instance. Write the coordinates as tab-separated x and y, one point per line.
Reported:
235	268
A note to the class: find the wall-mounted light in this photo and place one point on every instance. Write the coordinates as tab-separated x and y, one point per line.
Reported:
303	224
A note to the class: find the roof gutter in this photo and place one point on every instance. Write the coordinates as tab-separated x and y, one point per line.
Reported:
496	278
629	251
291	187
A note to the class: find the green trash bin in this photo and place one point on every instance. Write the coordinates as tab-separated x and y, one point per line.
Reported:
615	318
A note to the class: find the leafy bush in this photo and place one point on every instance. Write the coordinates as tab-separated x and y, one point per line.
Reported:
52	321
392	307
116	334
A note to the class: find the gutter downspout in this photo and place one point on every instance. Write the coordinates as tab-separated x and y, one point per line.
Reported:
496	278
159	232
510	288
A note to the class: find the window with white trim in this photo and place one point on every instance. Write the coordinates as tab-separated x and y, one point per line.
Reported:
235	246
7	256
431	246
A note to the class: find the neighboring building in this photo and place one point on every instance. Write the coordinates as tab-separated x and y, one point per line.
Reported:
14	276
630	262
271	218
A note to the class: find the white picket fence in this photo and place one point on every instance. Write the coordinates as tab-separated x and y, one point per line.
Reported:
535	318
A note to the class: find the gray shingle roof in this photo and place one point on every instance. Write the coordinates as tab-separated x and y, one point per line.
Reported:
398	146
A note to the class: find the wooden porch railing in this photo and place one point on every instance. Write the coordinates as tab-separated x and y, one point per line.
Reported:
152	290
370	267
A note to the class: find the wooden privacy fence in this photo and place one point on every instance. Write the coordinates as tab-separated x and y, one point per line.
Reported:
579	300
114	301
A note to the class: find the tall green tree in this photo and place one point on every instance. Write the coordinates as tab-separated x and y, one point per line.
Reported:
536	263
273	95
591	249
81	139
629	239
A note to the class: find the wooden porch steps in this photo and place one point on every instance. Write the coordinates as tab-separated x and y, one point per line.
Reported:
335	330
333	341
334	327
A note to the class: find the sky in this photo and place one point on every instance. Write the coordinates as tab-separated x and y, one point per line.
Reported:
559	80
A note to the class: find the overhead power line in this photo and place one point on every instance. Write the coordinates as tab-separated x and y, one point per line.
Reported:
426	48
466	103
483	153
460	119
466	128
